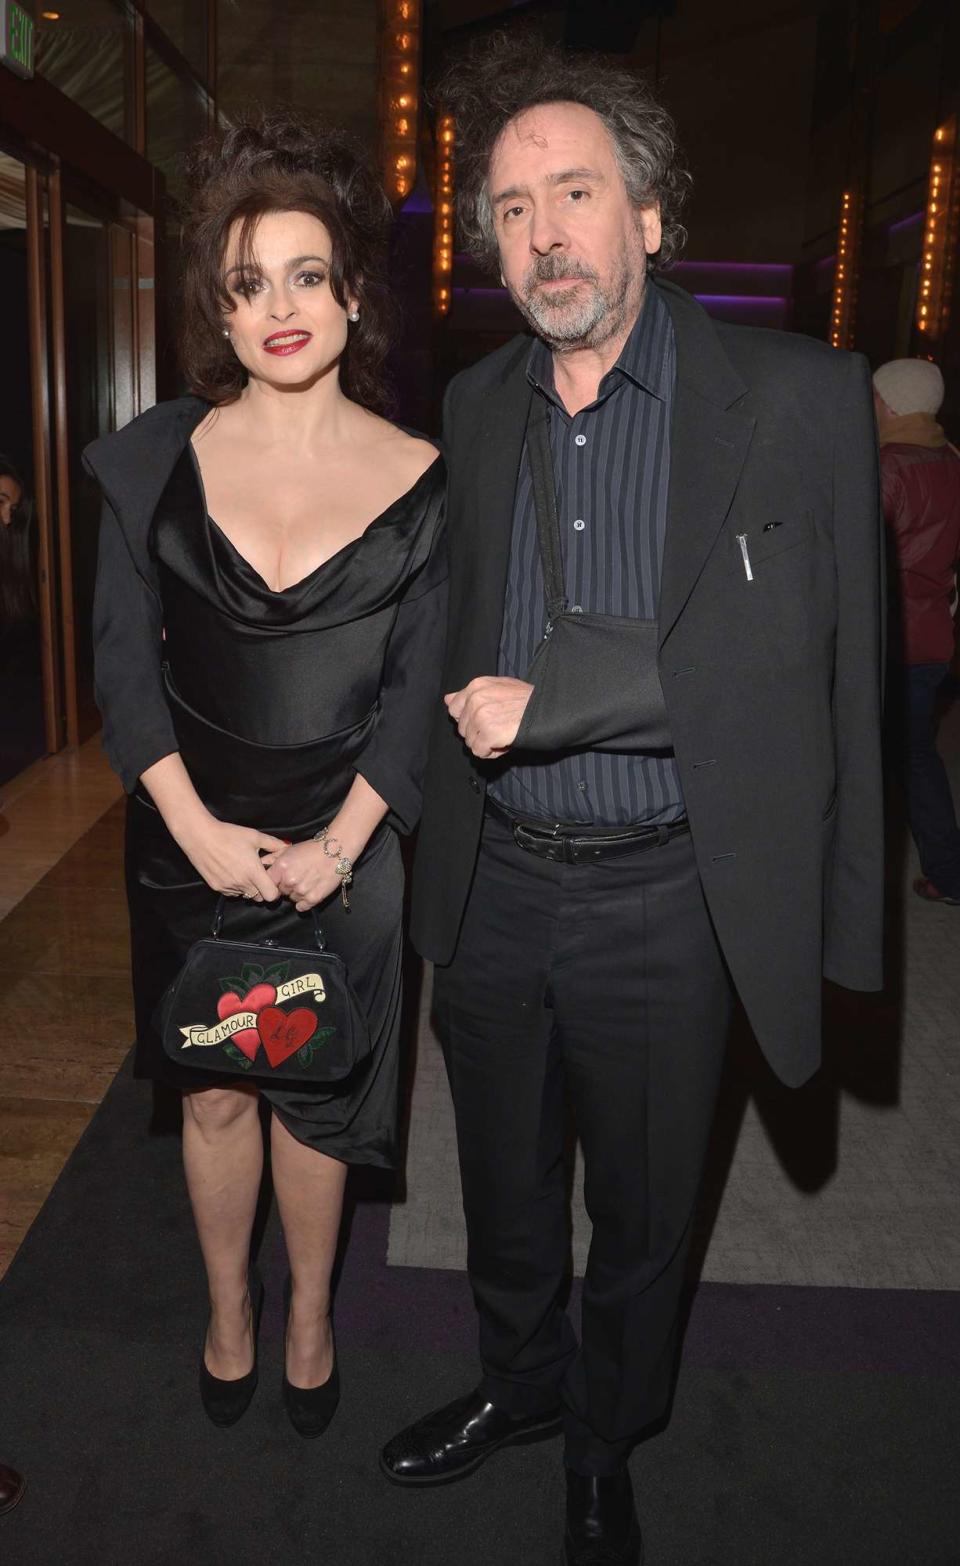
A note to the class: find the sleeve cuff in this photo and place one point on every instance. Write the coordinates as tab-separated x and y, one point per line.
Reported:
130	766
399	791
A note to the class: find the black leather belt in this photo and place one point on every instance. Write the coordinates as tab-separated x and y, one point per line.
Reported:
570	845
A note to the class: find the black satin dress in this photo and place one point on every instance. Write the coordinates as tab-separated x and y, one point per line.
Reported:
278	699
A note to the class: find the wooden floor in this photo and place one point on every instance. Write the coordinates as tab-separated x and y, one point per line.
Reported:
64	971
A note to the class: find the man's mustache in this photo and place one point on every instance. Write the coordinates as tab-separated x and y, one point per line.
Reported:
550	269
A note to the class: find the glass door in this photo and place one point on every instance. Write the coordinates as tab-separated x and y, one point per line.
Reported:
103	271
29	702
78	333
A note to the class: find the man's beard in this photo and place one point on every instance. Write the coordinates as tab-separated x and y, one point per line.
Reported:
577	317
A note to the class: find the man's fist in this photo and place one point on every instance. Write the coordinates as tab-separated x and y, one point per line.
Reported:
488	713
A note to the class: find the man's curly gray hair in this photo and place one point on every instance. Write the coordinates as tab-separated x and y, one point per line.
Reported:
504	74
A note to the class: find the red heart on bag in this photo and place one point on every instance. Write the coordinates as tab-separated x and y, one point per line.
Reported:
283	1033
248	1039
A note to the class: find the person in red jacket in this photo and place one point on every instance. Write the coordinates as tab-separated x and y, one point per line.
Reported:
920	475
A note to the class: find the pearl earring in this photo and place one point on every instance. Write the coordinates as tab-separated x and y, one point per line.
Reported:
353	315
226	331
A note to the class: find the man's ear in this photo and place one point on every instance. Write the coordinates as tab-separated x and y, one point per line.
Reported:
651	227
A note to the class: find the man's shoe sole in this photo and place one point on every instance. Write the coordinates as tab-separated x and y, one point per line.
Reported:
522	1438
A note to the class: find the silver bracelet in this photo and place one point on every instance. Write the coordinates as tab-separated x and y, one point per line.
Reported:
343	867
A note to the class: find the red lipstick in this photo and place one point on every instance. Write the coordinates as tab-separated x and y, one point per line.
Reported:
283	343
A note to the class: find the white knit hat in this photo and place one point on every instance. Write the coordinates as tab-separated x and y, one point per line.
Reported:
910	385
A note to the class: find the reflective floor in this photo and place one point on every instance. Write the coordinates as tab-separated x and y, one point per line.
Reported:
64	971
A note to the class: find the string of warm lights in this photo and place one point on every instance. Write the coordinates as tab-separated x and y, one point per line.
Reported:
845	277
939	236
399	94
443	221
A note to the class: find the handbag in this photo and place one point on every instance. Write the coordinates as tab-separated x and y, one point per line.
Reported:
257	1009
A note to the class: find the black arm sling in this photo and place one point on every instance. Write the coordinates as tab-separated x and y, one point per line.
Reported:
595	677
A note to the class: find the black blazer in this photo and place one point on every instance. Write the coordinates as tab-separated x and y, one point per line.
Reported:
772	685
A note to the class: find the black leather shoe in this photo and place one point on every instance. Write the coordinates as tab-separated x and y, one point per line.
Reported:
451	1442
12	1486
602	1527
227	1401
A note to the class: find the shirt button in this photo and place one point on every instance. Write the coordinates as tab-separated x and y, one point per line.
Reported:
579	525
580	440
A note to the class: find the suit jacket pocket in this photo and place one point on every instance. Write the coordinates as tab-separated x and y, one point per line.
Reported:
775	595
764	540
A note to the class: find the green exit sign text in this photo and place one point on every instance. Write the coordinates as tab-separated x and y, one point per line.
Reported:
16	37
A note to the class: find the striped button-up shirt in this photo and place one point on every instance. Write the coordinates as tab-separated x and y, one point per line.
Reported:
611	466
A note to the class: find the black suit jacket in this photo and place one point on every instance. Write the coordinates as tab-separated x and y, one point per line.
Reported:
772	685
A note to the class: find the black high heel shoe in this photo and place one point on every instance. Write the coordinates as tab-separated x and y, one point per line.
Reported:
227	1401
310	1409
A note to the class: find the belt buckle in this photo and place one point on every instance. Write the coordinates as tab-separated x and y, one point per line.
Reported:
526	838
534	838
561	851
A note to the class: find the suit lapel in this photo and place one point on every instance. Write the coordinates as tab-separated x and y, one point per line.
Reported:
492	470
708	445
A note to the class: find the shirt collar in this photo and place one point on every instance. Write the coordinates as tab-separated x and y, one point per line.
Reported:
643	358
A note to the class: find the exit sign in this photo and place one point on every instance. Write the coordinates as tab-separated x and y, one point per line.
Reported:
16	36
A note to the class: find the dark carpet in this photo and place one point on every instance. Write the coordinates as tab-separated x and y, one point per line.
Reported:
810	1425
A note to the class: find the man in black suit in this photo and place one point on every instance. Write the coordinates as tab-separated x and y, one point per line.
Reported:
676	522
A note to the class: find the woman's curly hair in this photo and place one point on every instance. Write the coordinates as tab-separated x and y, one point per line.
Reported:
282	161
504	74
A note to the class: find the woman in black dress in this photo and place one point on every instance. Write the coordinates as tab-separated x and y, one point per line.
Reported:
268	631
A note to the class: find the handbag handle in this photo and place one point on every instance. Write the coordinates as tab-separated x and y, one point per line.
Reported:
220	909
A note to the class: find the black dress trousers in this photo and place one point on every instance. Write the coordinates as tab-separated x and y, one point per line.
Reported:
604	983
